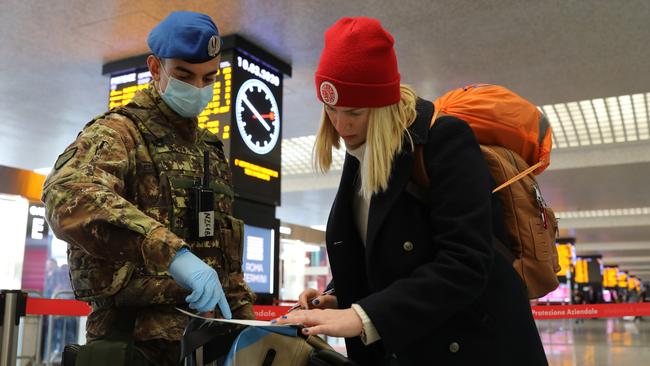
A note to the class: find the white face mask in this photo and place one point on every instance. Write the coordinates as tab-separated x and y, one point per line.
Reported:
186	99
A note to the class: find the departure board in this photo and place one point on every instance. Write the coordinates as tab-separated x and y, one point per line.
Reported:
124	87
566	258
216	116
610	276
581	271
257	129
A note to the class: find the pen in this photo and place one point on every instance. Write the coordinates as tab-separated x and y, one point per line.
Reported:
328	292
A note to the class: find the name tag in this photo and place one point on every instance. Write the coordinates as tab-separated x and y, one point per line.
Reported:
206	224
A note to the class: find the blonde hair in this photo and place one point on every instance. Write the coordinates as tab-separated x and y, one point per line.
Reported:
387	127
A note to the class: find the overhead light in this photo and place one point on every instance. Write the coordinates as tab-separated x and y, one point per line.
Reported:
612	212
43	171
600	121
285	230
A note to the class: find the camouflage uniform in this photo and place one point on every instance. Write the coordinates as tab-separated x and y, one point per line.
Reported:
118	196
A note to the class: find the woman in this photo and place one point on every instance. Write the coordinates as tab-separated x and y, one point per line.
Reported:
417	280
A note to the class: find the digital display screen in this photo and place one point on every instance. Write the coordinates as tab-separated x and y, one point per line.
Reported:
215	117
258	258
124	87
256	125
566	257
581	271
610	277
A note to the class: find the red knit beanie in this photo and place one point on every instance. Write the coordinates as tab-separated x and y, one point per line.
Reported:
358	66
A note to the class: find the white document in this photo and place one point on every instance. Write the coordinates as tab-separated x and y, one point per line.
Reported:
252	323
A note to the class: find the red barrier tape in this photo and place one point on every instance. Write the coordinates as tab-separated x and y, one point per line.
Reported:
591	311
38	306
267	312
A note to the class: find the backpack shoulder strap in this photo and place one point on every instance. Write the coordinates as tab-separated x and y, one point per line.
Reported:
519	176
420	176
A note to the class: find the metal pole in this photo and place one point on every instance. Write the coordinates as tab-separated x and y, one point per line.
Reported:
39	333
13	309
50	326
39	339
48	340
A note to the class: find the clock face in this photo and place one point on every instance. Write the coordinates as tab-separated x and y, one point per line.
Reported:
258	116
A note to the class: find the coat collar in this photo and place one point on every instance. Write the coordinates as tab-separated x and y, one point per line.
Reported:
342	215
380	204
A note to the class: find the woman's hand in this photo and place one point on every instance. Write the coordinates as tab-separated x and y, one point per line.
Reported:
334	323
312	299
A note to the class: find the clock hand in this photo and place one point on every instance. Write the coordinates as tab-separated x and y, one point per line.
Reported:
270	116
256	113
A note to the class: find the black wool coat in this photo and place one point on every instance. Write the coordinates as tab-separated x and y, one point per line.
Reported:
429	277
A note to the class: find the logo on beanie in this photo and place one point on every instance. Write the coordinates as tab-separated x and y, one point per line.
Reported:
214	45
328	93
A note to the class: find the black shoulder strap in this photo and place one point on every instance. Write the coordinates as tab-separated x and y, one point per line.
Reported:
423	122
424	109
419	184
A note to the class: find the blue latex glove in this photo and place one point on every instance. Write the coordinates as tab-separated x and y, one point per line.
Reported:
193	274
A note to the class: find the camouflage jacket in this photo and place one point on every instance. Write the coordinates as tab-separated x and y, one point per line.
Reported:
117	196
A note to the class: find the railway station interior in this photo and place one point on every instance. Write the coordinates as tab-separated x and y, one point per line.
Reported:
584	65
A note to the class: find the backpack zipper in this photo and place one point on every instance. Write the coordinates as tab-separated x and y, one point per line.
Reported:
542	205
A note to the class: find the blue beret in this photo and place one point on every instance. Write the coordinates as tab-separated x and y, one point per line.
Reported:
186	35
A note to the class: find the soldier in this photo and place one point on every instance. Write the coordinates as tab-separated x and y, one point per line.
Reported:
119	195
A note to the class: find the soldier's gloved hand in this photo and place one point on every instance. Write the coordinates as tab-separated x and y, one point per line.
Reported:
194	274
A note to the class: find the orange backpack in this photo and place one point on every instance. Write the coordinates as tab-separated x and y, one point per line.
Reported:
502	118
515	139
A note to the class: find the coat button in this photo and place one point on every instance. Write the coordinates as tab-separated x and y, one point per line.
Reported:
408	246
454	347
